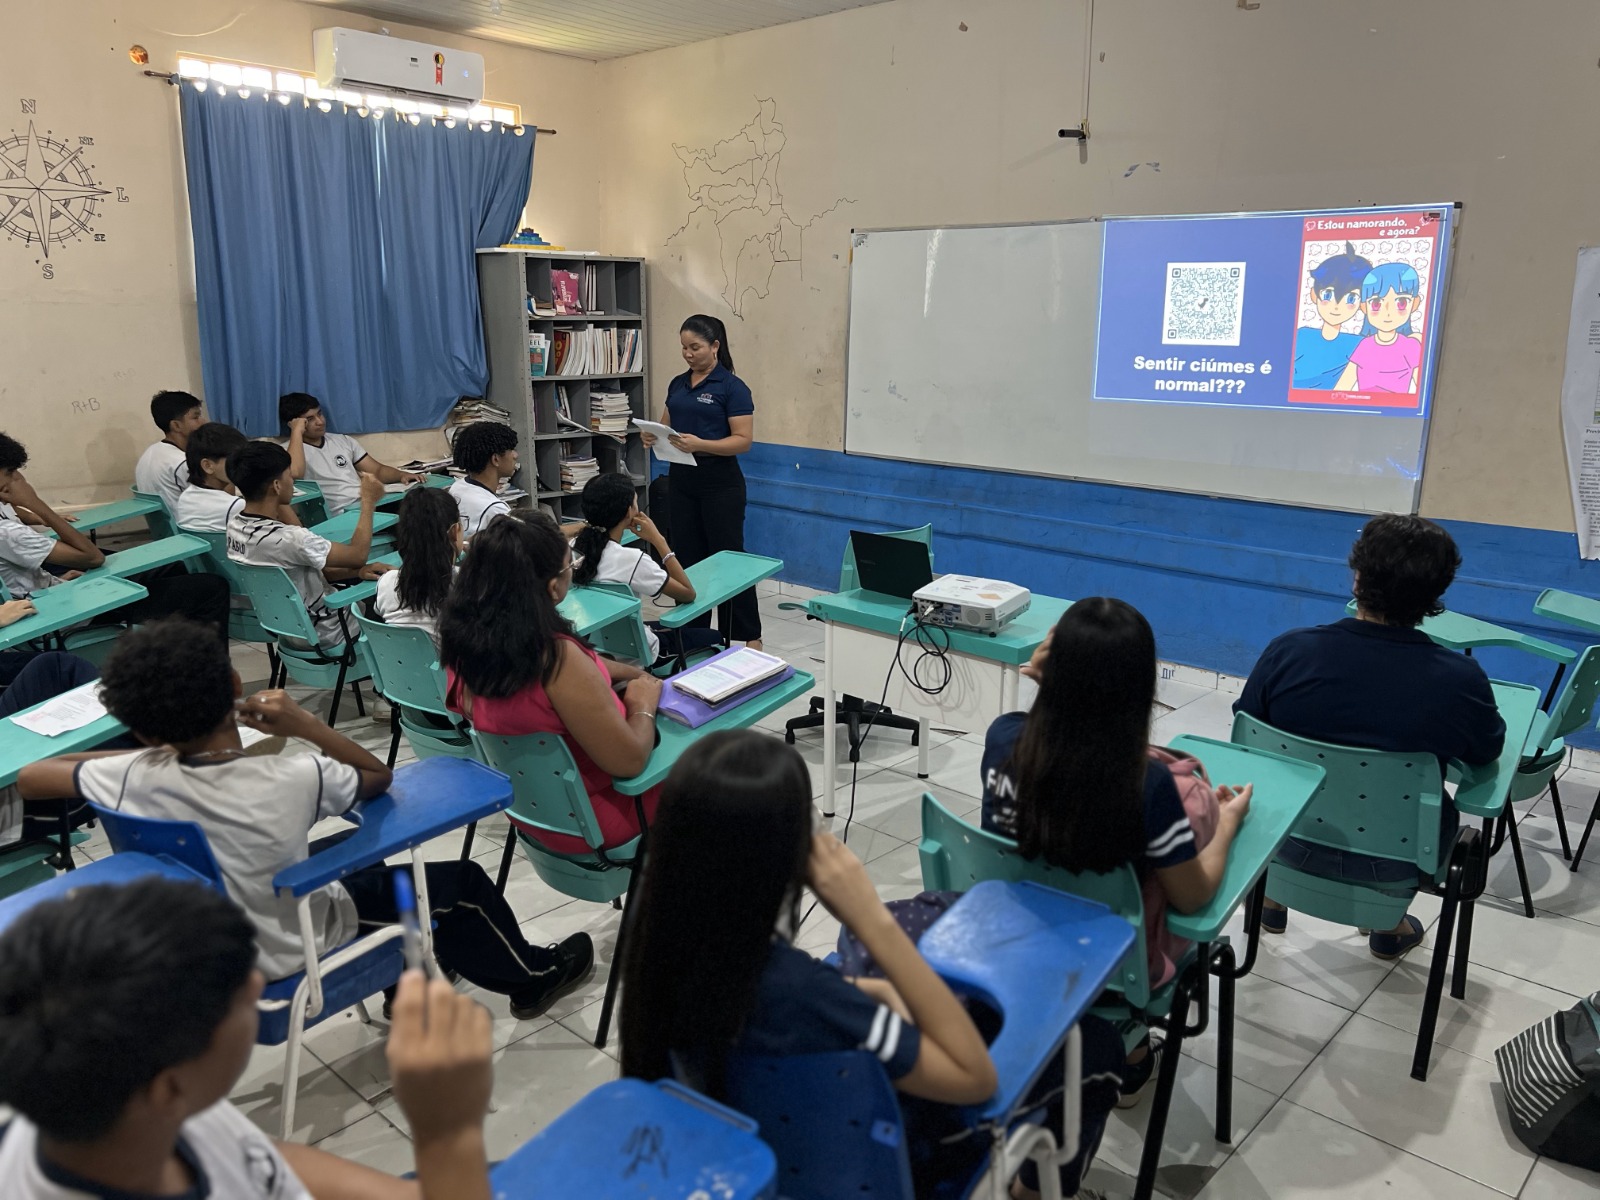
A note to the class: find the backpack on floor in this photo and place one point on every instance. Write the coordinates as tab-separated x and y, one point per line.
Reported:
1552	1080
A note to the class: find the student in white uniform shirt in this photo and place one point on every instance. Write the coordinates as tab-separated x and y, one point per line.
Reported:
335	462
130	1016
610	509
162	469
258	535
487	452
428	537
209	502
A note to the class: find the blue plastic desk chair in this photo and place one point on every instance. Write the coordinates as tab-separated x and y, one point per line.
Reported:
548	794
628	1140
1385	805
342	978
114	869
158	518
1545	750
956	856
853	711
281	612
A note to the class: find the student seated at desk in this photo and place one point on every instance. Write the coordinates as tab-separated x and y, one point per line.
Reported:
1378	682
428	537
25	554
259	536
130	1014
610	509
487	452
515	667
175	689
710	970
336	462
208	503
163	469
1076	782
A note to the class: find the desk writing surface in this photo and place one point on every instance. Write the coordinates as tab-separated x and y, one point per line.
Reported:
428	481
1012	646
109	514
363	590
1483	790
1582	611
67	604
150	556
343	527
676	738
19	746
124	868
717	580
590	608
1284	788
1457	631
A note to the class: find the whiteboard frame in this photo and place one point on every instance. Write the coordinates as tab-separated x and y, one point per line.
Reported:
1427	422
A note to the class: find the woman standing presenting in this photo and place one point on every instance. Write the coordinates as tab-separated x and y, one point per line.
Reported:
713	417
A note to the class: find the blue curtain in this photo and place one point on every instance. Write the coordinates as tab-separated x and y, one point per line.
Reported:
334	255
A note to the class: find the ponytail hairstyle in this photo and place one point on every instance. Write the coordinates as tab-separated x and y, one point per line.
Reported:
1080	762
500	631
708	330
427	551
607	500
693	962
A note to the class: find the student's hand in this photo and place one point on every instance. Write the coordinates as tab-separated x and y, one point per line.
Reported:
19	493
1234	803
645	528
274	712
688	441
372	489
297	428
373	569
69	576
840	881
1034	669
643	694
439	1048
13	611
411	477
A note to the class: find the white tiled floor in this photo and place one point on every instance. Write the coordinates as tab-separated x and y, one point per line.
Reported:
1324	1105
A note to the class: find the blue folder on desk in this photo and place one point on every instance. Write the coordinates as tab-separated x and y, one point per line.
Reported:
695	712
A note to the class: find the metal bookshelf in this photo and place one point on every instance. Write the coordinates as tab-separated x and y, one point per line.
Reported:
506	281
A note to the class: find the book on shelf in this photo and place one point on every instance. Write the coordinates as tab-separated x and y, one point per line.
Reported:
563	405
597	350
427	466
576	469
538	354
567	289
470	409
609	413
590	295
538	306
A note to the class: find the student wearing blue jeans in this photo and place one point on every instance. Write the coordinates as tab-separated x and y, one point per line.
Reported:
1378	682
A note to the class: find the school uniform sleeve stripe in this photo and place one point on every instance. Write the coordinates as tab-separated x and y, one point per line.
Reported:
1176	834
875	1033
891	1037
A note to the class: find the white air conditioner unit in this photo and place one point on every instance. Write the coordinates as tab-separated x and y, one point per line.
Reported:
348	58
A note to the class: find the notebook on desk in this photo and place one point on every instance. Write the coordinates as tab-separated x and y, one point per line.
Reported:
684	707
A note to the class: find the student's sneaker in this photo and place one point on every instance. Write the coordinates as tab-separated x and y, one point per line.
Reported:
1136	1077
574	964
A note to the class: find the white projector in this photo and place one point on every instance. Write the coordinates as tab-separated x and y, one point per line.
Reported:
967	602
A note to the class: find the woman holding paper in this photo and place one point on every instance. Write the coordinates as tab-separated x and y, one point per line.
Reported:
713	418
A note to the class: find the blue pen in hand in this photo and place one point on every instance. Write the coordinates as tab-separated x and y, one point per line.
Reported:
405	901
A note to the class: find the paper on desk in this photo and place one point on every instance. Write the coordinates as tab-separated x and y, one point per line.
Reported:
64	713
664	449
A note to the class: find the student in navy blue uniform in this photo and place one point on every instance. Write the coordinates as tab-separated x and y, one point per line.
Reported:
1073	781
713	417
1377	681
710	971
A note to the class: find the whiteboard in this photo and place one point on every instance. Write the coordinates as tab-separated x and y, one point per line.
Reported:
975	346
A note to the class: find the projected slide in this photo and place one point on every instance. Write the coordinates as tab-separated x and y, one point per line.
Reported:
1304	310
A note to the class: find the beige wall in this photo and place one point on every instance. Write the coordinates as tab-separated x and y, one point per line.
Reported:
80	354
1295	105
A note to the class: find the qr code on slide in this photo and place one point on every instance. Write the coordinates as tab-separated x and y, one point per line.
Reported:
1204	304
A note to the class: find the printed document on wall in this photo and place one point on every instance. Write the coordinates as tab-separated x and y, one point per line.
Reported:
1580	402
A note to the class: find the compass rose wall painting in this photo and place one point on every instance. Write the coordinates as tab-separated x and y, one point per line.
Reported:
49	194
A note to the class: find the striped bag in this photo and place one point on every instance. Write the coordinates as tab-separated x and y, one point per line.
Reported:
1551	1074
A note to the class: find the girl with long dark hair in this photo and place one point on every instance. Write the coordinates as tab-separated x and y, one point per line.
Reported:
1075	781
713	417
428	537
514	666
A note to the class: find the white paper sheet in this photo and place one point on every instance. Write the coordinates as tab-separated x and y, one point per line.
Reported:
61	714
664	449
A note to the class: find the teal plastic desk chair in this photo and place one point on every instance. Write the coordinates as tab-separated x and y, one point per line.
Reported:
547	793
308	503
242	623
1386	805
281	612
1545	751
956	855
622	640
24	865
853	711
158	518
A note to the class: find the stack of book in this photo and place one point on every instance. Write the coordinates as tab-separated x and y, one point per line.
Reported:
538	306
576	469
609	413
468	410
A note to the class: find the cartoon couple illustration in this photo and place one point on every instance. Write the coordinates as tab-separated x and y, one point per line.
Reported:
1385	356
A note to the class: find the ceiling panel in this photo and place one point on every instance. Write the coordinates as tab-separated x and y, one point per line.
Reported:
597	28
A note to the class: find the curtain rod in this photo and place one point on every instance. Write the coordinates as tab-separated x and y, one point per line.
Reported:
173	78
